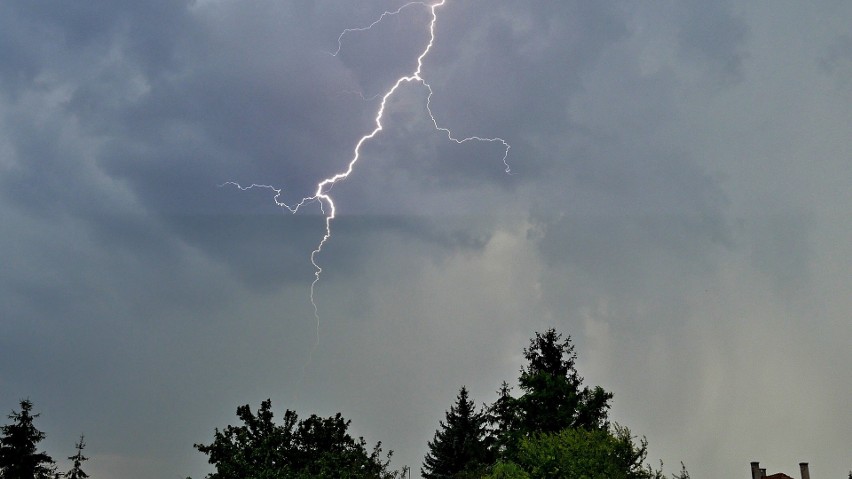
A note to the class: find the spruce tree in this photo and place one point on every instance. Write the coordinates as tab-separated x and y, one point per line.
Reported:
502	418
76	471
19	458
553	397
459	447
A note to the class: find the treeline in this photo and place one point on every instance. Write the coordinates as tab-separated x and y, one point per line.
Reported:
555	427
19	454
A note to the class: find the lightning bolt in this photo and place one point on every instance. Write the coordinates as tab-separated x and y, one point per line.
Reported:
376	22
321	195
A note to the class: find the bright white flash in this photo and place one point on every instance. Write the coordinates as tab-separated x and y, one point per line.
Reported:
321	195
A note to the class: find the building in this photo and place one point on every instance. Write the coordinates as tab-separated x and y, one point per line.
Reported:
760	473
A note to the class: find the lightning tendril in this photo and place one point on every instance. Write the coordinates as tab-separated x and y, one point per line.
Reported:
321	195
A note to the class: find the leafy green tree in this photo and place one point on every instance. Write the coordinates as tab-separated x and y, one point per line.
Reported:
553	397
19	458
684	474
507	470
459	448
313	448
78	459
325	449
580	454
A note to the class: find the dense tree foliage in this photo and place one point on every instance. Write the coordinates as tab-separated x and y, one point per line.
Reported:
579	453
459	448
503	420
312	448
556	428
554	398
507	470
19	456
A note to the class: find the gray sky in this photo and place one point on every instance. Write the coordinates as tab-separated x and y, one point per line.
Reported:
679	206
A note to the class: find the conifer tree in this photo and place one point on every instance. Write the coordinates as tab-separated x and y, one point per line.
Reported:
684	474
19	458
502	418
76	471
459	447
553	397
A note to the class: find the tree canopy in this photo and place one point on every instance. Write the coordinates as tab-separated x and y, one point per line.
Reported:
503	421
19	456
555	429
312	448
554	398
459	448
580	453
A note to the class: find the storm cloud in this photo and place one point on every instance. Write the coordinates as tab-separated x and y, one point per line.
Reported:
677	204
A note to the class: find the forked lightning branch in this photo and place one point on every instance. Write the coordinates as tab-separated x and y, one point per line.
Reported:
322	193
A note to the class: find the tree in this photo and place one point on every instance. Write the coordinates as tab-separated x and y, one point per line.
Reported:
507	470
502	418
76	471
325	449
554	398
459	448
557	428
313	448
603	453
18	446
684	474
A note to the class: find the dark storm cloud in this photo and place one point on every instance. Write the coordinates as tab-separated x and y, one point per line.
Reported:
487	70
652	146
46	31
836	59
157	114
170	109
624	185
712	35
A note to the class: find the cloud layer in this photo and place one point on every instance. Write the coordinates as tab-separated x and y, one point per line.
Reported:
677	204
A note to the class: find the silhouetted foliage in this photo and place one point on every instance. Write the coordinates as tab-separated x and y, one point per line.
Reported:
557	428
78	459
459	448
313	448
553	397
19	458
503	421
579	454
684	474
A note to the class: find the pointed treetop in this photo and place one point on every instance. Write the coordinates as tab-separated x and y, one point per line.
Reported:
76	471
19	446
